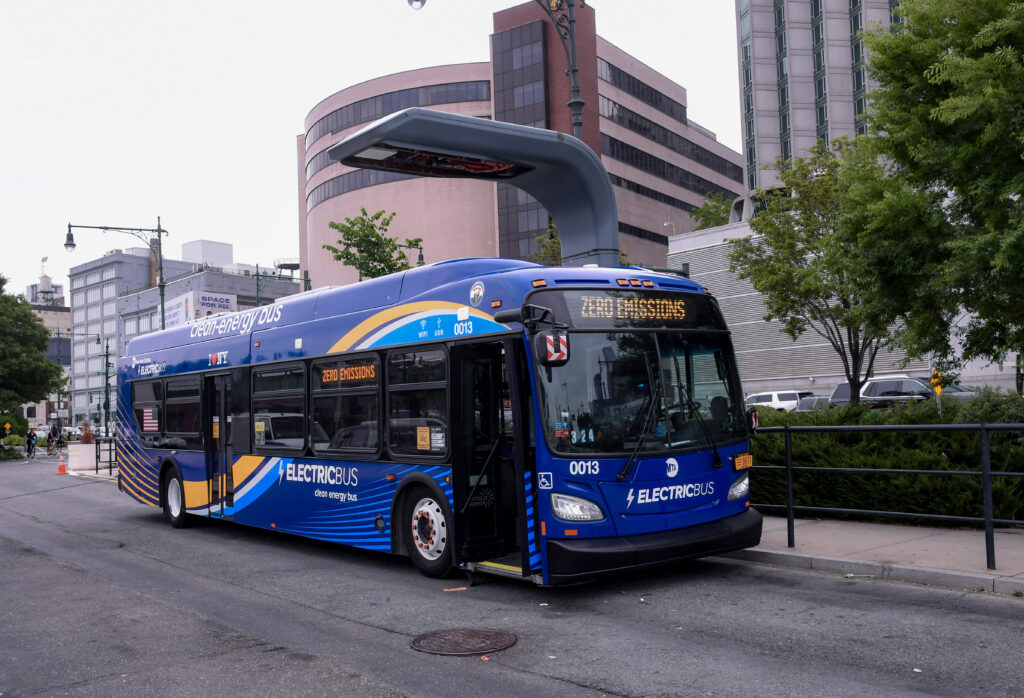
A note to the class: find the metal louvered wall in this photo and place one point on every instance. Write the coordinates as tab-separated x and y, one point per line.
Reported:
768	358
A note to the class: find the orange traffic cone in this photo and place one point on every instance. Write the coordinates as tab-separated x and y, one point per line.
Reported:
61	470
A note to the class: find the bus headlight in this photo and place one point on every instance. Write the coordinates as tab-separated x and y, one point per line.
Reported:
569	508
740	489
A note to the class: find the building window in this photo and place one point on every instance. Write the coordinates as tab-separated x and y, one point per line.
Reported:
109	272
381	105
131	326
640	90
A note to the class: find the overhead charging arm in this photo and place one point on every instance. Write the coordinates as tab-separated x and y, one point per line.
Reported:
560	171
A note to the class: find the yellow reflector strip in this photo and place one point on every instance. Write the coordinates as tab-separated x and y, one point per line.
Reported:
571	532
634	282
648	283
537	283
495	304
622	282
500	566
742	460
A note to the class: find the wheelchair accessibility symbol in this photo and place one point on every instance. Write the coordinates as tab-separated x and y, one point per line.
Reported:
545	481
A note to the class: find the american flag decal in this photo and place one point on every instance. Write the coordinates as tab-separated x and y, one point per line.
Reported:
149	420
558	348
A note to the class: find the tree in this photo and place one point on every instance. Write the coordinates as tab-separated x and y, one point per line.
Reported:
947	113
364	245
805	262
549	248
714	211
26	375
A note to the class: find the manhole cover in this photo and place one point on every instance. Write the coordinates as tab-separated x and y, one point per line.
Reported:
463	641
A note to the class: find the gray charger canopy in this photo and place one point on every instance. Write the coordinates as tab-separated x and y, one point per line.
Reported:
560	171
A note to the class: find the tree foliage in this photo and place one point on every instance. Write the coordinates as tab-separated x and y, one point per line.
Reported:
948	112
713	212
549	248
365	245
26	375
805	261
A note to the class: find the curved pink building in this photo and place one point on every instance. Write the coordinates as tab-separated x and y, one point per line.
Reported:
661	164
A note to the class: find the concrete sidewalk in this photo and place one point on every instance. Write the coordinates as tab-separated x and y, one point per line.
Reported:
949	557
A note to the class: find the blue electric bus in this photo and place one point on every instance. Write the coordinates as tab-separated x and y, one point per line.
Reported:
494	415
545	423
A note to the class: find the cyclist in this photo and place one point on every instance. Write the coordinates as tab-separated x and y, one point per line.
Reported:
30	444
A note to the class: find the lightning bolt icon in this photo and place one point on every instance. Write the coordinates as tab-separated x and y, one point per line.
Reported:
280	471
629	498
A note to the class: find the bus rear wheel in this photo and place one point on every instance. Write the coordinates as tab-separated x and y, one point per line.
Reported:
174	499
428	539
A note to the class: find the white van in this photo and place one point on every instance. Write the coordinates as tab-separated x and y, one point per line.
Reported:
785	400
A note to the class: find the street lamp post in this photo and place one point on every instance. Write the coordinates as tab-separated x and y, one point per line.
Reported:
563	15
155	246
565	25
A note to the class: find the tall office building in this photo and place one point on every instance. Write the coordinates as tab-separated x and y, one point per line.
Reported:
115	298
661	163
802	76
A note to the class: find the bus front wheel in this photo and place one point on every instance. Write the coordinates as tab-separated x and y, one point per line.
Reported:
428	539
174	499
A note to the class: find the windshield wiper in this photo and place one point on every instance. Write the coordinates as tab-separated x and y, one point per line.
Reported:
651	411
716	460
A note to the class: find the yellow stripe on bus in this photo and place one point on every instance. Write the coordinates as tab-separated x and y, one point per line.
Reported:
197	494
385	316
244	467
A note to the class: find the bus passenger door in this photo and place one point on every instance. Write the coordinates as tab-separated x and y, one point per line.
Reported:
217	437
483	465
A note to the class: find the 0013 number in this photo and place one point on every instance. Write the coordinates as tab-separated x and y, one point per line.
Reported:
584	467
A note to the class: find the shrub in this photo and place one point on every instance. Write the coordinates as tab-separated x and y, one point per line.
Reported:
957	495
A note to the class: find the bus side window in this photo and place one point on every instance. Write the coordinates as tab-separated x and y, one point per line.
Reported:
279	408
147	406
418	403
346	401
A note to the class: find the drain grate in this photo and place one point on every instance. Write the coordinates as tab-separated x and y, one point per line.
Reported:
464	641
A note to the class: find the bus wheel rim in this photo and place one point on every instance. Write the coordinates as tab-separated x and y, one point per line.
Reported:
429	529
174	498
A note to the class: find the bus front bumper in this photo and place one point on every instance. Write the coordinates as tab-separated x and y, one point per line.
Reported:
571	561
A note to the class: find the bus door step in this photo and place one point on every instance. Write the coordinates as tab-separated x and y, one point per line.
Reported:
506	566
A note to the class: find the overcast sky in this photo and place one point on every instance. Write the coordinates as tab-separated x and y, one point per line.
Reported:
114	112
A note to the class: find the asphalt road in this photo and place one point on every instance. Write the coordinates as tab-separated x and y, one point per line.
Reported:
100	596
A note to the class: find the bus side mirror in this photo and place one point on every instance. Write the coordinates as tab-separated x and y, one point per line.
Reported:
752	422
507	316
551	348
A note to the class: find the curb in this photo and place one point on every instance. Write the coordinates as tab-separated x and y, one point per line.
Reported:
967	581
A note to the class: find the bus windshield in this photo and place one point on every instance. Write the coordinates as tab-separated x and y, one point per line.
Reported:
619	386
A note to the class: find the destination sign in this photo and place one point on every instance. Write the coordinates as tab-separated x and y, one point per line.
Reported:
620	309
346	374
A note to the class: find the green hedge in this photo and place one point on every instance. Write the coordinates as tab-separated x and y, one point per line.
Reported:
955	495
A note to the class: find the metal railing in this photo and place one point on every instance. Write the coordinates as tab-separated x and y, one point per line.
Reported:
106	454
985	474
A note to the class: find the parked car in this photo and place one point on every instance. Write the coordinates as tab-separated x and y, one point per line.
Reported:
840	396
959	392
885	391
781	400
811	403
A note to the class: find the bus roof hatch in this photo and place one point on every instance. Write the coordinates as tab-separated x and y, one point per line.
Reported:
560	171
